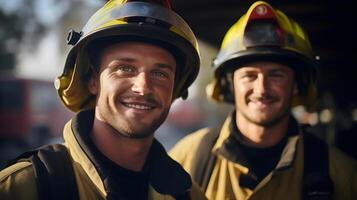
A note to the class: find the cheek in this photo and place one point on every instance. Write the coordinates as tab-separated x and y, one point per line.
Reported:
241	89
112	82
285	89
112	87
165	92
240	94
107	86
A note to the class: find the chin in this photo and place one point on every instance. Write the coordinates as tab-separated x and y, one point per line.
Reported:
138	135
268	120
139	129
265	122
131	132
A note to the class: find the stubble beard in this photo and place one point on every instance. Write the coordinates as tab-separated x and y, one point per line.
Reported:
131	131
268	122
274	120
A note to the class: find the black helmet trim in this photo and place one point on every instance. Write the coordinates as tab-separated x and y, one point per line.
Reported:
264	53
305	69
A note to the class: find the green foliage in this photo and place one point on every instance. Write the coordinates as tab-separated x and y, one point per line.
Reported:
14	27
10	36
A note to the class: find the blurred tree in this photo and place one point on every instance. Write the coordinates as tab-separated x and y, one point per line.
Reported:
10	34
15	23
23	23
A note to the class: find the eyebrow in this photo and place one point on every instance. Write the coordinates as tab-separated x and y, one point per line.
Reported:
127	59
160	65
278	70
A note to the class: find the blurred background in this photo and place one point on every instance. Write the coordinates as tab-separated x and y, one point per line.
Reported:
33	50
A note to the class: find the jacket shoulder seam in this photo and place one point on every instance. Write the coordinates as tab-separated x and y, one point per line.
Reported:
14	169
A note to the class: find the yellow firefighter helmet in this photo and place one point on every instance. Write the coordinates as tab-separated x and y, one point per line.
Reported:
123	20
264	33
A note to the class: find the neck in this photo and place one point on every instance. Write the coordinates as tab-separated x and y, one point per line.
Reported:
126	152
261	136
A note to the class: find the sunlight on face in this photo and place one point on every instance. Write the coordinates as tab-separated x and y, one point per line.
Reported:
263	91
135	87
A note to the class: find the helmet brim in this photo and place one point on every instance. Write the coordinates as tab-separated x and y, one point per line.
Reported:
305	69
177	45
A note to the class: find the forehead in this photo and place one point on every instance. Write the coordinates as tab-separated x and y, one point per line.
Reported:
132	47
264	66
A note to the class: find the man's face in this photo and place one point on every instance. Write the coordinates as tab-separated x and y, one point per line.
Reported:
134	88
263	92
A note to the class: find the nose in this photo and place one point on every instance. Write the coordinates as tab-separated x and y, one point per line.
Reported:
141	84
261	85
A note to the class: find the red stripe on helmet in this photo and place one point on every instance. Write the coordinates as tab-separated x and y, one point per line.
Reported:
262	12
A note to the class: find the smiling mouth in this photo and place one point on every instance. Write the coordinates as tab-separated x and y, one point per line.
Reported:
266	100
262	104
138	106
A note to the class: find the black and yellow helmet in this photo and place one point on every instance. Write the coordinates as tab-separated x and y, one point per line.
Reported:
123	20
265	34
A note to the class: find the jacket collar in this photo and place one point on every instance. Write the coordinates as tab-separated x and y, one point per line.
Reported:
288	154
166	176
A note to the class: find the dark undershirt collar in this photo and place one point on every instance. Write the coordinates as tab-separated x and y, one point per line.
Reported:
165	175
259	161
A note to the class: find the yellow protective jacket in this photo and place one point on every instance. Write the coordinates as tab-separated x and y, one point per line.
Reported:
283	182
18	180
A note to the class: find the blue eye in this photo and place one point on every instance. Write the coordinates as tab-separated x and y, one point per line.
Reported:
126	68
160	74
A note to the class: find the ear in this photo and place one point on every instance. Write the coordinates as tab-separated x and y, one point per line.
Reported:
93	84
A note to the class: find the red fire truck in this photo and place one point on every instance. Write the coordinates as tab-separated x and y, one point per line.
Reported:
28	106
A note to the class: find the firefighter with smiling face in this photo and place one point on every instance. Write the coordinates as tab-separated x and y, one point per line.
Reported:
264	67
126	67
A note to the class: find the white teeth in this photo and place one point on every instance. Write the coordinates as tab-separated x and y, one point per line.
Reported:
136	106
